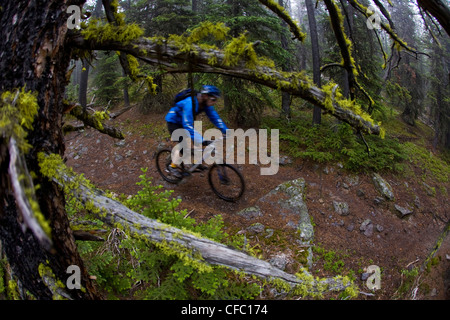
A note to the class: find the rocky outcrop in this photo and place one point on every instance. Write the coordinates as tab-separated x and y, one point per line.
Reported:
286	201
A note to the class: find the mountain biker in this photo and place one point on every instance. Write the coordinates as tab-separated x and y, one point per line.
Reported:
181	116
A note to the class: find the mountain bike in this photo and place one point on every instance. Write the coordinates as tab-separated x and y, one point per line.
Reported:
225	180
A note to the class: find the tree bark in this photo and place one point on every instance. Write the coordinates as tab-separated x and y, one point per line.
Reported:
317	113
439	10
285	97
84	77
33	57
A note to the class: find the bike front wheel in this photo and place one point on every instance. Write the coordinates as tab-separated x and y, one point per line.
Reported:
226	182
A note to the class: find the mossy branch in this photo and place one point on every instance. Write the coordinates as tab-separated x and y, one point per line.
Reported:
170	58
399	43
129	64
284	15
95	121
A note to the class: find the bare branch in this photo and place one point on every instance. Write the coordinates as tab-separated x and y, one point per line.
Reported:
19	172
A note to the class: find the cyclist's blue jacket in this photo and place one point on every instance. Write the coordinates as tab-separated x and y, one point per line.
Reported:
182	114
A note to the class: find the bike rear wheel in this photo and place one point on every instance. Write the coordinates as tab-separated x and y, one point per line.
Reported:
226	181
163	161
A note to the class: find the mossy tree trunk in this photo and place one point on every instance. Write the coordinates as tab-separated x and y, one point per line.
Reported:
33	57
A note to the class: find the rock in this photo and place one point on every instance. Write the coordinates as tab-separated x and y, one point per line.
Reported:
365	276
341	208
378	200
403	211
367	228
286	201
129	153
379	228
350	227
417	202
256	228
269	233
431	191
365	224
352	180
294	205
250	213
285	160
433	292
328	170
340	223
121	143
280	261
360	193
383	186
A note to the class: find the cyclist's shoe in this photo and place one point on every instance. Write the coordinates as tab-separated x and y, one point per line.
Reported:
175	171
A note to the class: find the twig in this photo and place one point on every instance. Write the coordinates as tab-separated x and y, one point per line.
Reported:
187	215
367	294
412	262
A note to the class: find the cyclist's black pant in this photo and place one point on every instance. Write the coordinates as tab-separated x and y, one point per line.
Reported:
172	127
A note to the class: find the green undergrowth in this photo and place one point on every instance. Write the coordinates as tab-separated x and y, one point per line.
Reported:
336	142
129	268
405	150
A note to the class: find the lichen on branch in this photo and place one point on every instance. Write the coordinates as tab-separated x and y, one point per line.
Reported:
284	15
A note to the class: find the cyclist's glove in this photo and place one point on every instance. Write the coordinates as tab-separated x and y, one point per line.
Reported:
206	143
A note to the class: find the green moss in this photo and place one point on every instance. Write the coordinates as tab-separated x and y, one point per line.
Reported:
102	32
55	285
239	49
18	109
13	290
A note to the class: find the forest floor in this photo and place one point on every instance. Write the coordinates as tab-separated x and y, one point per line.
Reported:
399	246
